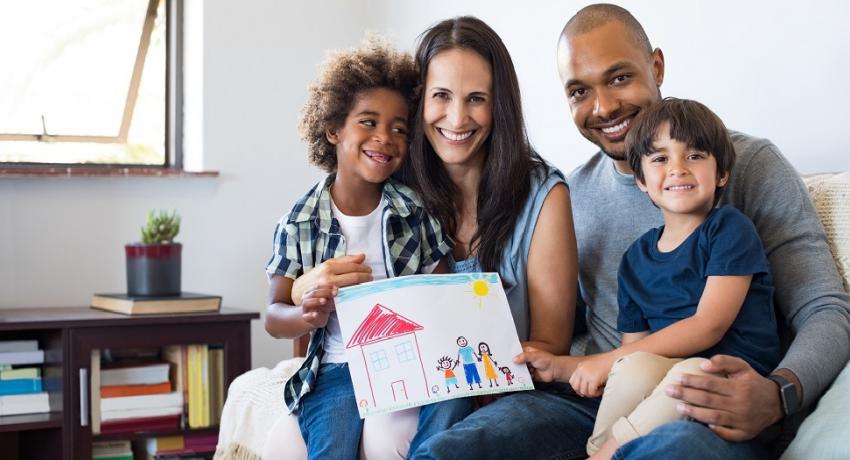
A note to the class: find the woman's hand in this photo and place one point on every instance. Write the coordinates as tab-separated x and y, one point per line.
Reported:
340	272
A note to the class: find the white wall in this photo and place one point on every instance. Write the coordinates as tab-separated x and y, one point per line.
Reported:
774	69
771	69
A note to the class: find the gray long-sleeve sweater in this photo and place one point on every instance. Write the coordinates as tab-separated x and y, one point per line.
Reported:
610	212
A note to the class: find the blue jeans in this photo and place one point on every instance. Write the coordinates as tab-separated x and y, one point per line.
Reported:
688	441
329	420
554	424
439	417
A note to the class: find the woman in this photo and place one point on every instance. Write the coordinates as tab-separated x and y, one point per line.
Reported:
505	208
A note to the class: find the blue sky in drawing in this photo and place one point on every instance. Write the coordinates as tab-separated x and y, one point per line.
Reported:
354	292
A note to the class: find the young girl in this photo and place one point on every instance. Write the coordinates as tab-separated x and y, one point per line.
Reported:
355	123
697	286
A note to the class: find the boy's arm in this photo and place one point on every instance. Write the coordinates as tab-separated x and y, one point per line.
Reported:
719	304
631	337
718	307
284	320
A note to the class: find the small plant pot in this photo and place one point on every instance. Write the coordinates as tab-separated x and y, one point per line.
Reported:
153	269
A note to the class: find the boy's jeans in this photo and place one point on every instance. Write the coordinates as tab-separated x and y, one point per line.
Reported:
329	420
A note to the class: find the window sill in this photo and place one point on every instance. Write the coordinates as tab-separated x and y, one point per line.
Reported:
98	171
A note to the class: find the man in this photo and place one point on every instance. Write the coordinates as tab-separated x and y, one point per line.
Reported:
610	73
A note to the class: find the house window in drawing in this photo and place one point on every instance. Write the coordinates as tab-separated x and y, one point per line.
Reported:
382	335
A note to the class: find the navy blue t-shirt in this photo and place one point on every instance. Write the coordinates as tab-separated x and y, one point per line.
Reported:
656	289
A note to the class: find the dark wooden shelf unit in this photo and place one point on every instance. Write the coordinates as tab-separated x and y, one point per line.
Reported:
68	336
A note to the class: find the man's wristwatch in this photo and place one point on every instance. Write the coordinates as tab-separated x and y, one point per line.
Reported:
788	393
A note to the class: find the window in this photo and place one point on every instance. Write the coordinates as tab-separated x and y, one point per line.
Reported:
379	360
404	352
90	82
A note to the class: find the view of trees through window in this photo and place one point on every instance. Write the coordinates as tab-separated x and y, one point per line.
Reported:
83	82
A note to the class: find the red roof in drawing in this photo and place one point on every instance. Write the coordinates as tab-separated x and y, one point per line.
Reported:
381	323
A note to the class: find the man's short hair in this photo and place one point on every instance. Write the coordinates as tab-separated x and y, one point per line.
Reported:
593	16
691	123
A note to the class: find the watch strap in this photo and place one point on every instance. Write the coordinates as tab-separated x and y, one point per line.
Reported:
788	394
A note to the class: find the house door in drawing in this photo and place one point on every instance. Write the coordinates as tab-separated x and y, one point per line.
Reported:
399	391
390	351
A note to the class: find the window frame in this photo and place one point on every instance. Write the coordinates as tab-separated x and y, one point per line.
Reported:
173	163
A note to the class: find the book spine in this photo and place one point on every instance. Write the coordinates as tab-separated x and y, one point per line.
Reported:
20	386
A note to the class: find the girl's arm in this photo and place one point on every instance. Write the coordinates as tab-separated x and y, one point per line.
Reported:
630	337
285	320
553	274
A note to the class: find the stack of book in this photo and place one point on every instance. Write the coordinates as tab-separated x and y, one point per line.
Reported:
134	397
21	389
112	450
205	384
182	447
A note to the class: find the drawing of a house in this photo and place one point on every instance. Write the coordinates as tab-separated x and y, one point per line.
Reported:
390	351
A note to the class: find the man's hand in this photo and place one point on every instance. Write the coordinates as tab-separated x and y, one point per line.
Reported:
544	366
737	408
340	272
317	305
590	375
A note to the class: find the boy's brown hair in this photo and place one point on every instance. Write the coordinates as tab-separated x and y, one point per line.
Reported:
691	123
343	76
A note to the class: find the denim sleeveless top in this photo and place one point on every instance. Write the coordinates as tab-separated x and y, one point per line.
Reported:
514	264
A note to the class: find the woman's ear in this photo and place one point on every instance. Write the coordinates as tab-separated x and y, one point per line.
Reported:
332	136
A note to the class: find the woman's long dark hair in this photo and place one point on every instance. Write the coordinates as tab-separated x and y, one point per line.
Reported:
509	161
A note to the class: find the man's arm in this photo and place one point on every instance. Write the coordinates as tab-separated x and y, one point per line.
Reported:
809	298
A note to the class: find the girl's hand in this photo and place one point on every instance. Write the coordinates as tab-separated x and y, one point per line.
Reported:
317	304
590	375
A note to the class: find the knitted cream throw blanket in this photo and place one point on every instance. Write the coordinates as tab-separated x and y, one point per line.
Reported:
254	402
831	197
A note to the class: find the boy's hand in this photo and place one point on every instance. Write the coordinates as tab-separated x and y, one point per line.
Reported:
542	364
317	304
590	375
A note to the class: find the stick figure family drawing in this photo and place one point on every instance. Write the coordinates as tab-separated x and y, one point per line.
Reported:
469	358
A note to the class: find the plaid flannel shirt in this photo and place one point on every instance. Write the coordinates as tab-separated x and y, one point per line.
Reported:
309	235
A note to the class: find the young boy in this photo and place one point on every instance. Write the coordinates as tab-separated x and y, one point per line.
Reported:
697	286
355	123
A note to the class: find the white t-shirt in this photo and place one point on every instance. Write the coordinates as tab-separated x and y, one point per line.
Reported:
362	234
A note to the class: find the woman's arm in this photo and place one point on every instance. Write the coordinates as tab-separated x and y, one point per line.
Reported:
552	274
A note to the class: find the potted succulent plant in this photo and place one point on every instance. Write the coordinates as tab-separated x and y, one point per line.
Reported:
153	266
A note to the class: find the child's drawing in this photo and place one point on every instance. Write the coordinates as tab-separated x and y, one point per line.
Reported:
393	327
467	355
444	364
489	364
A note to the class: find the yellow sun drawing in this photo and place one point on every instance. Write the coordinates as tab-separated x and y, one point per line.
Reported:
480	284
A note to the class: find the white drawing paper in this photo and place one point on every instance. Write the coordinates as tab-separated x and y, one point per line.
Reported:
421	339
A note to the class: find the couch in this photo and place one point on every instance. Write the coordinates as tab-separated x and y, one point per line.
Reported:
255	399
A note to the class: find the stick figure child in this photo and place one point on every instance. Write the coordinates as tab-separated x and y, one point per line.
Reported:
509	376
466	354
445	364
489	364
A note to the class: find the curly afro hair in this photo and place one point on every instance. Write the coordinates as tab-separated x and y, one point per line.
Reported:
344	75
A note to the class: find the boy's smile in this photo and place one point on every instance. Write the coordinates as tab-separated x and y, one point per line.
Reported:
679	179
